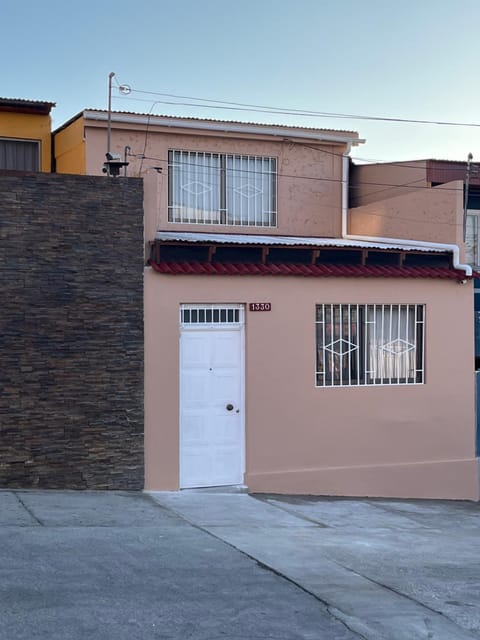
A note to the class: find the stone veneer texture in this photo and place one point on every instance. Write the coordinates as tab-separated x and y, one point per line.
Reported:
71	325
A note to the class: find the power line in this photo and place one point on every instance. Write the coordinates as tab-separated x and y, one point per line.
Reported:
385	186
403	164
242	106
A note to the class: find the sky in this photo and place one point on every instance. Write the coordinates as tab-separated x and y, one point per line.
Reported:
408	59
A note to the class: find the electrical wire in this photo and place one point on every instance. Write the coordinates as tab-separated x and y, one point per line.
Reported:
242	106
403	164
409	186
385	186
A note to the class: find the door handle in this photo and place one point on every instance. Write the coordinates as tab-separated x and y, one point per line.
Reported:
229	407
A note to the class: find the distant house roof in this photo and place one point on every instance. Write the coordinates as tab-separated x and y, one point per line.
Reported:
19	105
225	126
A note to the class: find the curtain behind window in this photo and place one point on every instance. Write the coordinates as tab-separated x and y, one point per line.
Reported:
250	190
20	155
195	187
391	340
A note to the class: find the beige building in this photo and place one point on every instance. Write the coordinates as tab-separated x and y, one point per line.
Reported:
293	344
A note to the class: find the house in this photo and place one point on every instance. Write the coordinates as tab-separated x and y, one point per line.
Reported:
293	343
25	135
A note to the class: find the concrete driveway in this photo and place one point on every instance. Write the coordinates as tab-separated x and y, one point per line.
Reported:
388	569
118	566
211	565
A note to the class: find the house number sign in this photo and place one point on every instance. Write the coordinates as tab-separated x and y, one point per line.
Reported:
260	306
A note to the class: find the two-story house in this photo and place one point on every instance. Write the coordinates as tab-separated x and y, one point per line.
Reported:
25	135
292	344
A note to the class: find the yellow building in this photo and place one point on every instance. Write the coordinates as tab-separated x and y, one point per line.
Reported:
25	135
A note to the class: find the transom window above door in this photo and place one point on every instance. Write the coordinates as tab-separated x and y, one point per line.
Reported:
211	314
224	189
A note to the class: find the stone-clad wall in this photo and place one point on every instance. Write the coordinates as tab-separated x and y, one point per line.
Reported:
71	332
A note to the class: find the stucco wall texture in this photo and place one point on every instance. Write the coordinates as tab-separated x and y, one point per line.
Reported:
309	175
426	214
71	354
398	441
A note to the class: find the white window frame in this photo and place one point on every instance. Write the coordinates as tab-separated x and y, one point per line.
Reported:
222	189
213	315
369	345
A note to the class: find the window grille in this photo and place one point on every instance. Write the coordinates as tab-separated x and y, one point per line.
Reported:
211	314
212	188
379	344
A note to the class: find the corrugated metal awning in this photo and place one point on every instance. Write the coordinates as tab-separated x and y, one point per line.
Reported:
285	241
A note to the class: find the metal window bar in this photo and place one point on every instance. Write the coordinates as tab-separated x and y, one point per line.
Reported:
407	339
386	339
420	337
209	188
332	338
211	314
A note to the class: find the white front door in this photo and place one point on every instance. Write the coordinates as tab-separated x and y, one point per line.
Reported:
211	400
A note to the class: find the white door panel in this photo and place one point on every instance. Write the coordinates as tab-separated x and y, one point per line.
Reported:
211	409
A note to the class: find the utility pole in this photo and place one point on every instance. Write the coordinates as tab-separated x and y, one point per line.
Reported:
109	128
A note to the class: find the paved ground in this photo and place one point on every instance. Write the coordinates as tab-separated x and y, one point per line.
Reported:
205	565
117	566
389	569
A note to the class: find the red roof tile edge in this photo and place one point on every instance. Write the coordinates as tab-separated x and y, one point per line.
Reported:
306	270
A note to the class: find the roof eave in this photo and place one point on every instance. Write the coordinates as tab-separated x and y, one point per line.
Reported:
276	131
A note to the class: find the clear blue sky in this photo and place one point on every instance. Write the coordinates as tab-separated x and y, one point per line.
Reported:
413	59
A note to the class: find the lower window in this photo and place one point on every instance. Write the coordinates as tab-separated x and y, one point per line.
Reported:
371	344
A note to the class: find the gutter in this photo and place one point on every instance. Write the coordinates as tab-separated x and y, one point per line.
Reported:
452	248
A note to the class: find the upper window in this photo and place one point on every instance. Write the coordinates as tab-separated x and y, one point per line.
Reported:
213	188
20	155
372	344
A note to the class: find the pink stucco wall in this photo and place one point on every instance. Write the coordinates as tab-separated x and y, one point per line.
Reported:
427	214
374	182
405	441
309	175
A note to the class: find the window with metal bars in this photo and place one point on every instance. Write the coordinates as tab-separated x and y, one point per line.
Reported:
211	314
372	344
214	188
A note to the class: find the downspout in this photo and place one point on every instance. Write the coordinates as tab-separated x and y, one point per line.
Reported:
453	248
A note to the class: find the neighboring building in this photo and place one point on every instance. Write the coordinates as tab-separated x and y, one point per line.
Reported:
25	135
291	343
390	179
382	181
